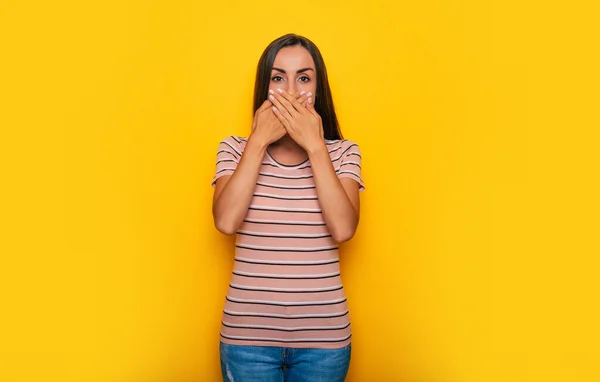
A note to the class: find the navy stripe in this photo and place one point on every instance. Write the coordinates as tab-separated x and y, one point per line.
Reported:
287	318
287	291
287	250
287	278
279	223
285	211
282	198
287	264
285	330
288	305
237	152
284	236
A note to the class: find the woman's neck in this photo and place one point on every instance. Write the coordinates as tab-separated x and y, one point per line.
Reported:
288	144
287	151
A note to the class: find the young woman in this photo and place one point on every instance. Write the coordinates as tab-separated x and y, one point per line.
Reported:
290	191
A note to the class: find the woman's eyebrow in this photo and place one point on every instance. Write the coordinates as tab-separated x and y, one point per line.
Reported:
298	71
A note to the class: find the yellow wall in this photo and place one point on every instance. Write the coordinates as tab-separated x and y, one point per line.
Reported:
476	256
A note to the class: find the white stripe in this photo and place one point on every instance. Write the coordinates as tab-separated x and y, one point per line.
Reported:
285	221
262	208
286	302
303	249
292	235
286	328
350	162
328	261
287	340
287	275
288	289
262	314
286	187
285	197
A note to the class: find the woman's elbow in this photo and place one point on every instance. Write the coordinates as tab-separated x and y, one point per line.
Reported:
224	226
342	236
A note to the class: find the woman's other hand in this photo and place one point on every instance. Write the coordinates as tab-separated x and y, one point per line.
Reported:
300	119
266	127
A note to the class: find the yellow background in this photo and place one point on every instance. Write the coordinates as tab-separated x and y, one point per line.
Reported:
476	255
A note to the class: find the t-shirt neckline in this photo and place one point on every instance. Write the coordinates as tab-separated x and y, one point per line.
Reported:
285	166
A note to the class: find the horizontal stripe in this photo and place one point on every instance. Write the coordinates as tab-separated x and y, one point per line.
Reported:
284	329
237	139
341	339
279	303
281	197
299	168
271	185
273	262
280	209
286	276
285	316
349	172
226	152
285	222
233	148
351	164
357	154
287	290
285	235
269	174
344	152
287	249
226	160
224	169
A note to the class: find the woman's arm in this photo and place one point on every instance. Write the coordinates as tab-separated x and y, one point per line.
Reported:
233	193
339	198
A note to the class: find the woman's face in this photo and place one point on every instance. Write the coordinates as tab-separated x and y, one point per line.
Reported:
293	71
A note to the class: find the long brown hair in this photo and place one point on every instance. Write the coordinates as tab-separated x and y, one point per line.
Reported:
323	99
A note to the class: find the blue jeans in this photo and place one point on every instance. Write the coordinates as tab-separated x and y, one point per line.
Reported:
277	364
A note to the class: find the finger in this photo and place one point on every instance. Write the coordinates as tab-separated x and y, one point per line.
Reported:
310	104
286	124
265	106
301	98
289	102
284	111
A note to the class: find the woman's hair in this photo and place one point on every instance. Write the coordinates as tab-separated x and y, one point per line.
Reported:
323	99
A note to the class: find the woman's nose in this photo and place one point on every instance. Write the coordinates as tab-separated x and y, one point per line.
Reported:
291	88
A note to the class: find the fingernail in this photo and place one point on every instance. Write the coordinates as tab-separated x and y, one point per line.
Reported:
271	91
309	94
272	98
280	91
274	108
302	92
310	100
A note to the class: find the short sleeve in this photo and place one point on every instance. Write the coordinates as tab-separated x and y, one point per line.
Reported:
229	154
351	164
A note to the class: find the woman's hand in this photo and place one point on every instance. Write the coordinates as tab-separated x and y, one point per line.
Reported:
302	123
266	127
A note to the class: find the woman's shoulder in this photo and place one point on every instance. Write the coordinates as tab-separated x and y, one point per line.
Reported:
235	141
340	144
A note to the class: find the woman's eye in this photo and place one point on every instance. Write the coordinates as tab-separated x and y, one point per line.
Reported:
277	79
304	79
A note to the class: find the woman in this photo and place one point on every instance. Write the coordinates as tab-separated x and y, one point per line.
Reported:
290	191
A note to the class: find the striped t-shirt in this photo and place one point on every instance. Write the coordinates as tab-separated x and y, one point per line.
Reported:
286	288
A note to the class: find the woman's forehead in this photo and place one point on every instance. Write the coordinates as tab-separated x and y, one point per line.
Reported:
293	58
